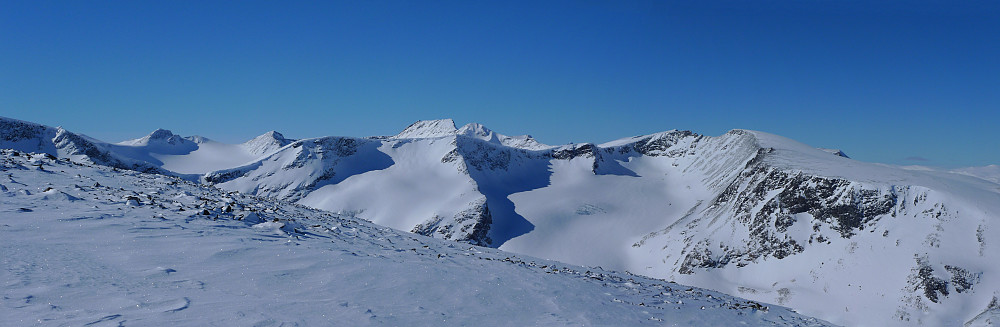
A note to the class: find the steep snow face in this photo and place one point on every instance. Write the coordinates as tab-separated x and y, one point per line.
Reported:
431	179
603	198
801	227
428	129
731	212
302	167
266	143
417	190
87	245
523	142
450	187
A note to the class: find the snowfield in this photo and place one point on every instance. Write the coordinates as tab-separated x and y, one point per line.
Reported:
85	245
746	213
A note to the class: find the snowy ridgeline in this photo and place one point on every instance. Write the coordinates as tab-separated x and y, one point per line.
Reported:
98	246
745	213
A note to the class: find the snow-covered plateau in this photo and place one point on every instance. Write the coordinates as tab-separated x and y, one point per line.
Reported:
746	213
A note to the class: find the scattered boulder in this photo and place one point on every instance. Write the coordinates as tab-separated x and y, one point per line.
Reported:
132	201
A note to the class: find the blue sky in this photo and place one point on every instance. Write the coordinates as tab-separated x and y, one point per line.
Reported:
903	82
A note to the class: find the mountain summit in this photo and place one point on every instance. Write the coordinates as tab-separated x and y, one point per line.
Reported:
266	143
746	212
164	142
428	129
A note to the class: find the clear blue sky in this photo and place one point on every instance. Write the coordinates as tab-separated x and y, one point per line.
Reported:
887	81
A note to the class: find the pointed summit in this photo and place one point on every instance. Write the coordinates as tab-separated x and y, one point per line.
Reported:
266	143
274	135
428	129
161	138
160	134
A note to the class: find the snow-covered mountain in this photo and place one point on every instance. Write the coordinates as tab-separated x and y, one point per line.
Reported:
58	142
161	151
196	154
746	213
432	178
84	245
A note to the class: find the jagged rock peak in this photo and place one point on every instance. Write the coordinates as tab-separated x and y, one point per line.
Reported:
429	129
160	134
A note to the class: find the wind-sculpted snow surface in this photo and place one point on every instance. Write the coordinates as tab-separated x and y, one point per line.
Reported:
84	245
746	213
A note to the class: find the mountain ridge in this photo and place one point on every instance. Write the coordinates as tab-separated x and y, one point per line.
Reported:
713	211
91	245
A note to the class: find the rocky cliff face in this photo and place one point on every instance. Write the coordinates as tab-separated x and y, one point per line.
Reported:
471	225
766	203
832	231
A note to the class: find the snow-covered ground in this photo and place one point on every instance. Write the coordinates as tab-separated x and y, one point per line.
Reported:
84	245
990	173
746	213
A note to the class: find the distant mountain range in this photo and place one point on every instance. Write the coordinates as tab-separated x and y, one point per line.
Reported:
746	213
89	245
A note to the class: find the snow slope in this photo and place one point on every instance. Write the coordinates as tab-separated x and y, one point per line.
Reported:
847	241
746	213
724	212
432	179
196	154
990	173
94	246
